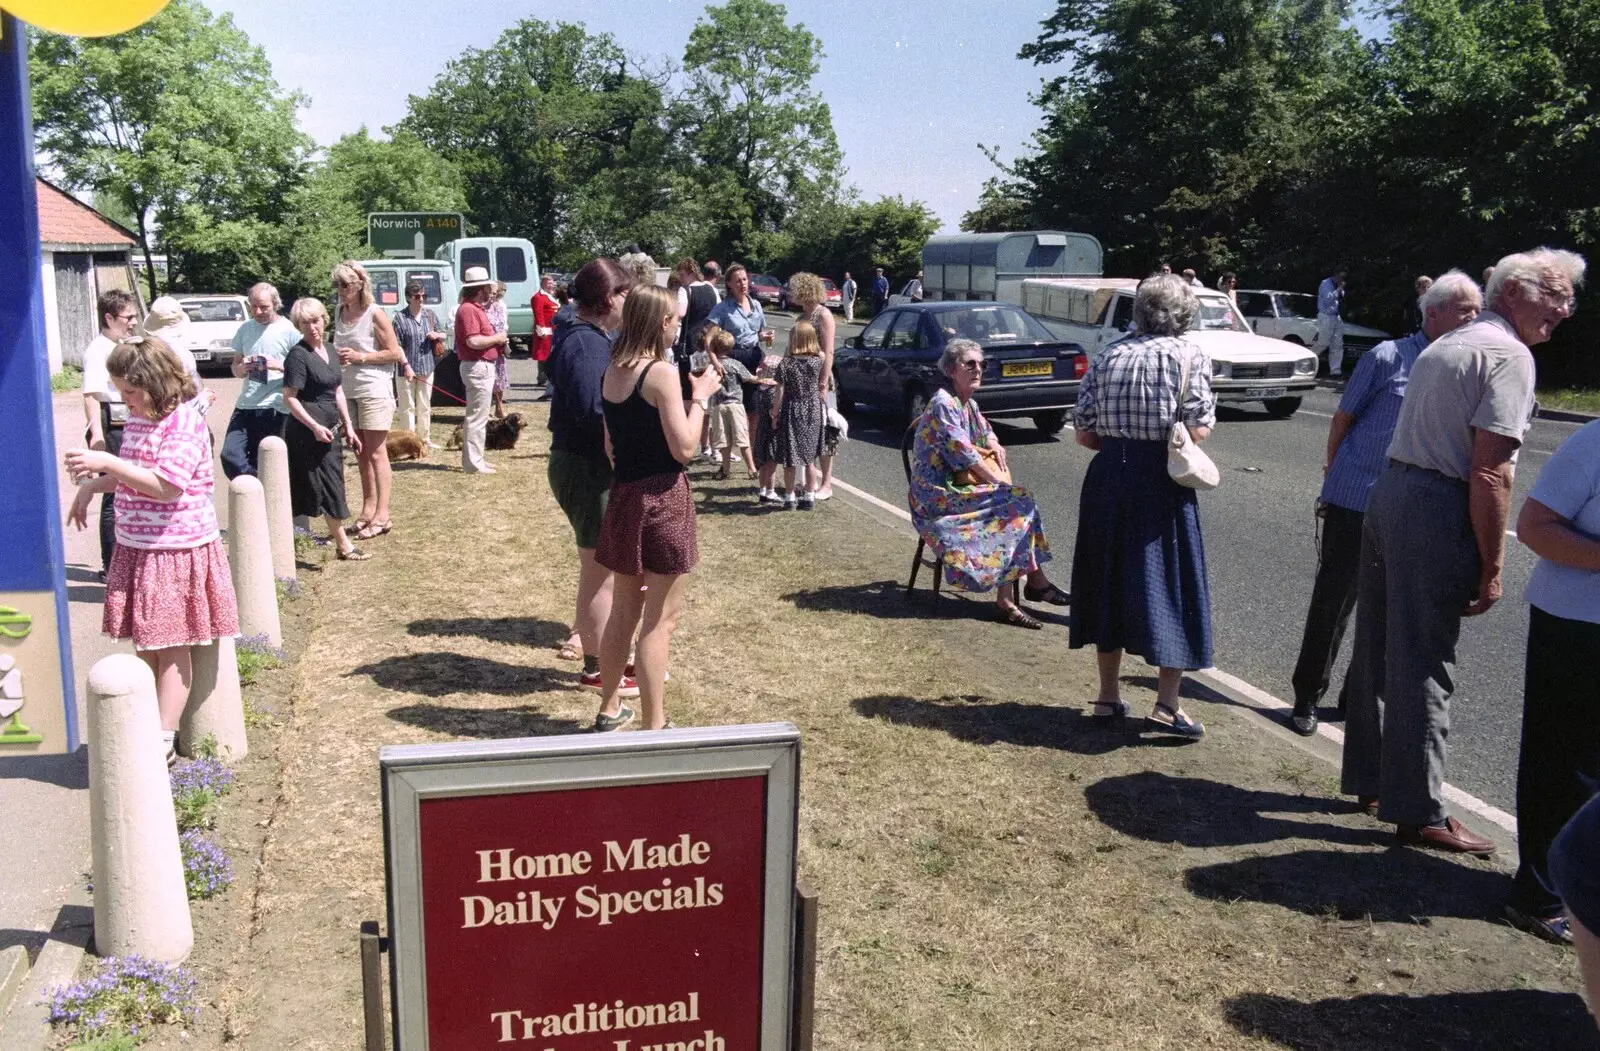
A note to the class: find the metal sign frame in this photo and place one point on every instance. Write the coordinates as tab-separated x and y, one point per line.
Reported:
412	774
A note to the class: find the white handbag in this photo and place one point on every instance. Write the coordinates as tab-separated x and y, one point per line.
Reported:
1186	464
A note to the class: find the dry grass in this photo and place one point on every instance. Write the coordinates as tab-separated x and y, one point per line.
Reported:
996	871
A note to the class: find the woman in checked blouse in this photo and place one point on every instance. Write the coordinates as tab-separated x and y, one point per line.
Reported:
1139	571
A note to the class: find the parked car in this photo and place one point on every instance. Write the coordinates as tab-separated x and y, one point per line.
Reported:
767	290
893	365
1245	367
213	320
1292	316
832	298
910	292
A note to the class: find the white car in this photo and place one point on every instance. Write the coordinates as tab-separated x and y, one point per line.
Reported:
1097	311
1292	316
212	322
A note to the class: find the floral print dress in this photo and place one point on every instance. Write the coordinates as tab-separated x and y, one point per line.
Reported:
988	535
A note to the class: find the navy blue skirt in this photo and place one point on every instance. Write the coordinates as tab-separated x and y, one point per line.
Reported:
1139	569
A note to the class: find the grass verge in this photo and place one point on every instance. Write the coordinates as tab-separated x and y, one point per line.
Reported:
70	378
1574	400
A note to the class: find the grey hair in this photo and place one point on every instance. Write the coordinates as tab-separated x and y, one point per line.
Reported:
1164	306
1529	269
952	354
270	289
1450	287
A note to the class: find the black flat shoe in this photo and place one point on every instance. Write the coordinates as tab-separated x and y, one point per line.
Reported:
1049	594
1304	719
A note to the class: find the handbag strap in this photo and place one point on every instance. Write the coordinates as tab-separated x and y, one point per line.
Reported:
1183	388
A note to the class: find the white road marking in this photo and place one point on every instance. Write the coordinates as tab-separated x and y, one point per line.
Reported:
1215	677
1313	412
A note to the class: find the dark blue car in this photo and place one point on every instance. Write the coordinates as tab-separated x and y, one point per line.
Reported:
893	365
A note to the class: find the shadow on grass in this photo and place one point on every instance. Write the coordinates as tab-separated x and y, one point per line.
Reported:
1200	813
419	465
979	720
492	723
1503	1019
709	501
519	631
443	674
887	600
1392	886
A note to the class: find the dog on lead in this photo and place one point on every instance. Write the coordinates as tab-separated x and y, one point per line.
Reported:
500	433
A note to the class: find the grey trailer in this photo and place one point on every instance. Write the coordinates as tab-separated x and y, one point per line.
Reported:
993	266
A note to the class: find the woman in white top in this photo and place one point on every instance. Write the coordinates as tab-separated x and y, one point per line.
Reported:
807	293
368	352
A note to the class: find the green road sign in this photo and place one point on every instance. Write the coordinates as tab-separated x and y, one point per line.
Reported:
412	235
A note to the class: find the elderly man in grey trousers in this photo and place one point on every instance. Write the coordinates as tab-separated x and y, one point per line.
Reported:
1433	542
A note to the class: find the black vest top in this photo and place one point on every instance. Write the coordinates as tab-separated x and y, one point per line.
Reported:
638	444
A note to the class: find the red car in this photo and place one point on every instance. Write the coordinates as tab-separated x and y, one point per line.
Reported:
766	289
832	298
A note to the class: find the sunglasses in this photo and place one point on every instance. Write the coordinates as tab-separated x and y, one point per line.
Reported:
971	365
127	317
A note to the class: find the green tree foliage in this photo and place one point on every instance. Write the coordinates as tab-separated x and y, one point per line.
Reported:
1003	206
558	136
761	140
856	236
181	124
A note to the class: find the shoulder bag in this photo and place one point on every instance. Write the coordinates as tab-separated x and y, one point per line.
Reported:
1186	464
990	459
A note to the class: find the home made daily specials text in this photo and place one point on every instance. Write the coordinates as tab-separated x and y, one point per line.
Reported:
597	919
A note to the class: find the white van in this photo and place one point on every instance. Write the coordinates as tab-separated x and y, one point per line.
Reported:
509	259
1098	311
391	276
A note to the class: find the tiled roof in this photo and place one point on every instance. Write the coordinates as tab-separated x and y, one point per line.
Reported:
63	219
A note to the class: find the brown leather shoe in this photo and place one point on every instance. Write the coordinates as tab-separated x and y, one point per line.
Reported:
1453	837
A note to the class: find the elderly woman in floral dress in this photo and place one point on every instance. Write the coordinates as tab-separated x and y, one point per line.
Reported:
986	530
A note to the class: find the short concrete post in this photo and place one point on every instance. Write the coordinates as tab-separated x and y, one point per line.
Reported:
215	707
250	556
140	904
273	464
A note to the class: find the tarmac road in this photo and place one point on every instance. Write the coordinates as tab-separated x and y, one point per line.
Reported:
1261	546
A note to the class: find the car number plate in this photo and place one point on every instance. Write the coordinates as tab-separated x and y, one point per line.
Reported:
1270	392
1027	368
201	355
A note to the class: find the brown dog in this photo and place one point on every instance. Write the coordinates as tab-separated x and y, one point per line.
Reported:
403	445
498	434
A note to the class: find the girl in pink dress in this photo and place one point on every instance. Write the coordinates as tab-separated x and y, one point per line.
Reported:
168	586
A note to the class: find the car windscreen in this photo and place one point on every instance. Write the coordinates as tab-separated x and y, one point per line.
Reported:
1217	314
214	309
1298	304
992	325
429	280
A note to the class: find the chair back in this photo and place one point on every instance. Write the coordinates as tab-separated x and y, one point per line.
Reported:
906	444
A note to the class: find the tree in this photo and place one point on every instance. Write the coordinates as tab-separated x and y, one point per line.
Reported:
181	124
856	236
1177	123
761	140
1002	207
558	136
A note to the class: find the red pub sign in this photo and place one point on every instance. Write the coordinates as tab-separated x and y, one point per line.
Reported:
629	892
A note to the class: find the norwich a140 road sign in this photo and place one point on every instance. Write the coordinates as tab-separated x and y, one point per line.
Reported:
412	235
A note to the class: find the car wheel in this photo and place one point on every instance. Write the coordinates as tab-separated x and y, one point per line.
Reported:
916	404
1282	408
1296	340
1052	422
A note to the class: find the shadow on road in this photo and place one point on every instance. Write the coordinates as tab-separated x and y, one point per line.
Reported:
491	724
1503	1019
443	674
519	631
1197	812
63	771
979	720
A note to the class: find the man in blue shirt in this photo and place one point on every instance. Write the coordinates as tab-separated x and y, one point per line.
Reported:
1358	446
1330	325
880	291
260	345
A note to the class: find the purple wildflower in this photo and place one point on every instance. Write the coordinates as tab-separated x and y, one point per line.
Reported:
259	643
206	870
125	995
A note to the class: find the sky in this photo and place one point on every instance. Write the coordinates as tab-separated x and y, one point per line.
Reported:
913	88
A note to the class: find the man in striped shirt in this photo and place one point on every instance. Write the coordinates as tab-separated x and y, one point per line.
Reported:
1358	445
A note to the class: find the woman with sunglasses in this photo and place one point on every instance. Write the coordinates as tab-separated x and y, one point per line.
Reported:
368	353
987	532
421	337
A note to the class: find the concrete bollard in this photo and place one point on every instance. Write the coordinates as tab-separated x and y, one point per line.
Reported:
140	904
250	557
273	465
215	707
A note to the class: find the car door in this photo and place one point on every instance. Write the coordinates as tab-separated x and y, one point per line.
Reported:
862	375
901	355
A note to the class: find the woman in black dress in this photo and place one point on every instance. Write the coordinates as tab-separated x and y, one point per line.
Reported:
315	398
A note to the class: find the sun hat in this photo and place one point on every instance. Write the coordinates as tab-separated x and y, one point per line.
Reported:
475	276
165	320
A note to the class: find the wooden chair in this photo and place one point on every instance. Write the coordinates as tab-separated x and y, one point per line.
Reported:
936	563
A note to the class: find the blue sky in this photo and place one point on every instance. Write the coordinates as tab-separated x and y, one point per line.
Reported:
913	87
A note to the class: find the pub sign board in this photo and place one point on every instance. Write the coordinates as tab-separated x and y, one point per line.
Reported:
615	892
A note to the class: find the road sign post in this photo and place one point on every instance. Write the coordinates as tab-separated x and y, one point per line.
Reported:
412	235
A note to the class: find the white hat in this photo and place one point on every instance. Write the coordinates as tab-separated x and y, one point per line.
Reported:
166	320
475	276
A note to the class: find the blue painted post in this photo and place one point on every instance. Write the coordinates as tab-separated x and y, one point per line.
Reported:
37	711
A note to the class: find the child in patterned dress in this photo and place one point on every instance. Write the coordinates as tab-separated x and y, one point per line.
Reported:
168	587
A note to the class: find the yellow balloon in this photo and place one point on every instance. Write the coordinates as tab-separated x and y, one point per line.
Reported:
84	17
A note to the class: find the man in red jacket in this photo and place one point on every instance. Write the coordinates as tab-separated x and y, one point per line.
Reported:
545	306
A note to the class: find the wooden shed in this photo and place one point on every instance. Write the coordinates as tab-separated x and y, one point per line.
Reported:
84	254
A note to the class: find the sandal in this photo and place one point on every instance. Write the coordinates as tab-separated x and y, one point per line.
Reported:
1181	724
723	475
1049	594
370	530
571	650
1017	617
355	554
1119	710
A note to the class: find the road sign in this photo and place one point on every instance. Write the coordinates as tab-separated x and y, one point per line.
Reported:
412	235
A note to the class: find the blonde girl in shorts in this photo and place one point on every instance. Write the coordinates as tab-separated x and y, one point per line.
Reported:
369	354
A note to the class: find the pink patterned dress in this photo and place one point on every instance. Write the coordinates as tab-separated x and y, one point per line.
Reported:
497	320
168	583
987	535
